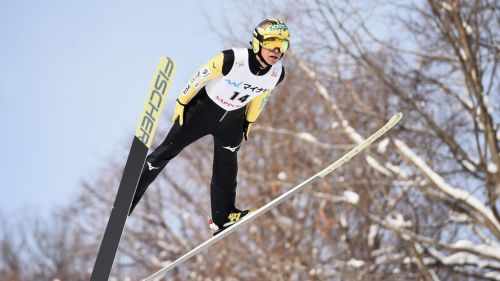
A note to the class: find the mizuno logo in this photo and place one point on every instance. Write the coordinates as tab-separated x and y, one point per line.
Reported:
232	149
151	167
236	85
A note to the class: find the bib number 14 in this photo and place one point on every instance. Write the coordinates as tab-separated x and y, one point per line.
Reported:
241	99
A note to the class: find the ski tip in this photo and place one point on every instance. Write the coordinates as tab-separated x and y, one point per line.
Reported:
397	116
167	60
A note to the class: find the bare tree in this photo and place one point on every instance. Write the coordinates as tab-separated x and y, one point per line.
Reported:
438	195
422	204
34	248
11	244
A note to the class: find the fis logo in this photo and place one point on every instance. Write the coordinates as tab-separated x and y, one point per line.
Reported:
240	63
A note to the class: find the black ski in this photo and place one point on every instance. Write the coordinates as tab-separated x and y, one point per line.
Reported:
132	172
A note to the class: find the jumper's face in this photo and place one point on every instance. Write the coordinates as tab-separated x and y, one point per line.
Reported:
271	56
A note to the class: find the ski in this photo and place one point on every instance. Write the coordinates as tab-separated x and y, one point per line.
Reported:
137	156
253	215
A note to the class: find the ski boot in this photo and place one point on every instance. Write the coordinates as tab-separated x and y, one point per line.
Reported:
233	217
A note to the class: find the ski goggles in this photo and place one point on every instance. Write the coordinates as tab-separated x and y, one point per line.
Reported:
272	43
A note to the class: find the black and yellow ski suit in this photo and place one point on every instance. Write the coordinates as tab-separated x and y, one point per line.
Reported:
203	116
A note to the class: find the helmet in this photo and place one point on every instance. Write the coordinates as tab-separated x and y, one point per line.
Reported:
271	34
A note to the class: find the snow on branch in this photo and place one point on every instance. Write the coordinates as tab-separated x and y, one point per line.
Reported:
397	220
322	91
463	258
349	197
489	251
350	131
375	165
462	246
300	135
456	194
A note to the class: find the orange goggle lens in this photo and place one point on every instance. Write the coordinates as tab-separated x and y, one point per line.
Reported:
273	43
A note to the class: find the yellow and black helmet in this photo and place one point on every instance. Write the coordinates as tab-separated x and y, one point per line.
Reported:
271	34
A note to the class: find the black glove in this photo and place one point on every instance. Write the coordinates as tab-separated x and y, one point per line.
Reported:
179	112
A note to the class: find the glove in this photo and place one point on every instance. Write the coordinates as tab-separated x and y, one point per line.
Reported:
179	113
246	129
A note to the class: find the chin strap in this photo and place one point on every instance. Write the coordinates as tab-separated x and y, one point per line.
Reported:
259	54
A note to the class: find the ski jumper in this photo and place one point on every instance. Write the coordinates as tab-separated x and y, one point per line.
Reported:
226	92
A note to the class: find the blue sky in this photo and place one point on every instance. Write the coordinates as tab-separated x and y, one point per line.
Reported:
73	79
